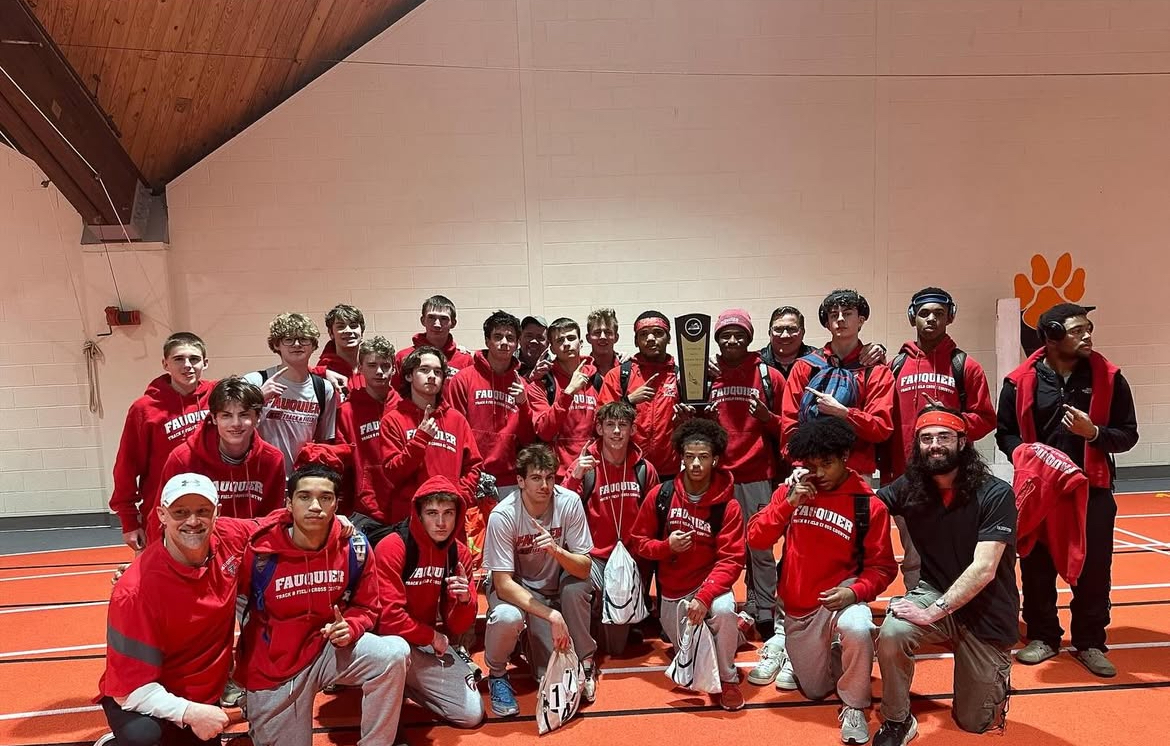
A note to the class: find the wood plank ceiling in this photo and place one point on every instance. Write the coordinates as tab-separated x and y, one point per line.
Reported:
178	78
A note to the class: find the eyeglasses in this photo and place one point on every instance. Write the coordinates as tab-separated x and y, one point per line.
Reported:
943	439
790	331
294	341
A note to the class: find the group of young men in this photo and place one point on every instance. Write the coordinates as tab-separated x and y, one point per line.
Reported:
342	513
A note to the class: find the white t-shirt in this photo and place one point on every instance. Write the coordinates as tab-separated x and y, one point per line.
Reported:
289	420
509	545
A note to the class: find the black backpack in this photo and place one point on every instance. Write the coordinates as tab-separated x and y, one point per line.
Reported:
410	562
958	366
589	481
627	369
860	530
550	385
319	385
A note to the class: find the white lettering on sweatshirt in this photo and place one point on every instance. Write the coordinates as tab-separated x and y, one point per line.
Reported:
813	515
302	583
681	519
927	381
232	488
369	430
442	439
184	424
1053	460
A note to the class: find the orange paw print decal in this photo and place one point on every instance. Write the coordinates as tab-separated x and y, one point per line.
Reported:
1048	286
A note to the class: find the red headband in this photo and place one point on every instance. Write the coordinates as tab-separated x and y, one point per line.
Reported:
651	322
941	419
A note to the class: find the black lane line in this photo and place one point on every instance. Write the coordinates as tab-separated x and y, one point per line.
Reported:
712	708
53	660
751	706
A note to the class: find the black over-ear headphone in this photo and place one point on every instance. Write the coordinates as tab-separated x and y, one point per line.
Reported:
1052	331
924	298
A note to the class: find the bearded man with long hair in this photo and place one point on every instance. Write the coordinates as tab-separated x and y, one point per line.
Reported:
963	521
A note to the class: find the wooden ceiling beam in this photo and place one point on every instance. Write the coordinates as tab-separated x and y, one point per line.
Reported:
37	78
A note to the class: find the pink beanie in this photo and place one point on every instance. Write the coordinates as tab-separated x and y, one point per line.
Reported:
736	317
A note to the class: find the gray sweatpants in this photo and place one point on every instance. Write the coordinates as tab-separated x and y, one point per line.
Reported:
440	685
809	642
982	669
911	560
284	716
505	622
721	618
761	564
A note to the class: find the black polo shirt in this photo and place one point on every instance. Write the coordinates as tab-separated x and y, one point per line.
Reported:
946	539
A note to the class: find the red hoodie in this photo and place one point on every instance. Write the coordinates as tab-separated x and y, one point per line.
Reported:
410	609
1104	373
252	489
612	506
654	419
410	457
330	360
283	635
157	423
751	443
819	544
1052	497
926	376
566	424
173	624
358	424
713	563
501	425
458	357
872	419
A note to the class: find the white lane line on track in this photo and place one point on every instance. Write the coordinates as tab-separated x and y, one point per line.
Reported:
106	571
607	671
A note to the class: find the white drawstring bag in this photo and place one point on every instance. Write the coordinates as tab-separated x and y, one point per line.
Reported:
694	666
559	694
622	599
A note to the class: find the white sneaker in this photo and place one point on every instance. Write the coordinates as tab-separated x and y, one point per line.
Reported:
589	684
854	729
104	740
772	658
786	679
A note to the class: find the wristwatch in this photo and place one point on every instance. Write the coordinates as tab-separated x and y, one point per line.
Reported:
942	604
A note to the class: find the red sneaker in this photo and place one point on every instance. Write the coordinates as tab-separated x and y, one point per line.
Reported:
730	697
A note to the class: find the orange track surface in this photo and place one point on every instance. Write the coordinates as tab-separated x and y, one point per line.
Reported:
1057	703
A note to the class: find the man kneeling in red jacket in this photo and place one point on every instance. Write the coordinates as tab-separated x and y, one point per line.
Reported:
837	558
312	606
429	600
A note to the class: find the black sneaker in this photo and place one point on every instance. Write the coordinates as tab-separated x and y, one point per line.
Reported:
894	733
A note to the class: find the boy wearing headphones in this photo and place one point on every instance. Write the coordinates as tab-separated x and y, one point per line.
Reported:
932	369
835	383
928	370
1070	397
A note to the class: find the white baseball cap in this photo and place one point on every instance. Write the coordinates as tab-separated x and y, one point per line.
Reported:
189	484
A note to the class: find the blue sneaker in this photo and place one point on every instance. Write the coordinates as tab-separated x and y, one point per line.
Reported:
503	697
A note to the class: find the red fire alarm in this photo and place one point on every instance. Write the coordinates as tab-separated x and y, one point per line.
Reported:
117	317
